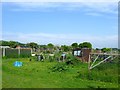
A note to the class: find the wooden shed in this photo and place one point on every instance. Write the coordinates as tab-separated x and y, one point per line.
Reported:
83	53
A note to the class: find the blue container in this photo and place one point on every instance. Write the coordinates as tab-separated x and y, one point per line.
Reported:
17	64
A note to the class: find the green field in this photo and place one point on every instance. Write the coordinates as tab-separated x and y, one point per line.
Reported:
36	74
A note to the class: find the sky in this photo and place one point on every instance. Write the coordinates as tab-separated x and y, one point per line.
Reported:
61	22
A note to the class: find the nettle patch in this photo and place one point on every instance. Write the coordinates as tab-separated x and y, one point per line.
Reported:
60	67
64	66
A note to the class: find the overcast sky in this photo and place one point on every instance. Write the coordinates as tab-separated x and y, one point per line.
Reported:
61	22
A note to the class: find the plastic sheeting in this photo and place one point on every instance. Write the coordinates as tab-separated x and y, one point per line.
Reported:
18	64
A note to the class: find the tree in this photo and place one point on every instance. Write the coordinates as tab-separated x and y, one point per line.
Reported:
74	45
50	45
80	45
4	43
97	49
13	44
44	47
85	45
22	44
32	45
105	50
65	48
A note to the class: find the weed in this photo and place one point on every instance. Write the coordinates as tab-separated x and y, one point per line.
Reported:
59	67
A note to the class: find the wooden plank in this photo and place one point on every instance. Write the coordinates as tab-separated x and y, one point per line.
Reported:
104	54
100	62
94	60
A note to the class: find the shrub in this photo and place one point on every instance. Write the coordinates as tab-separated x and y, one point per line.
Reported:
60	67
72	60
51	58
47	52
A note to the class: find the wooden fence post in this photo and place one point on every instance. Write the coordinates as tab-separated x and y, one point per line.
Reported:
3	52
18	51
89	65
89	62
31	50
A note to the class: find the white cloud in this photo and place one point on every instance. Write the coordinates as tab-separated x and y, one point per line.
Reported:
45	38
89	8
94	8
94	14
104	7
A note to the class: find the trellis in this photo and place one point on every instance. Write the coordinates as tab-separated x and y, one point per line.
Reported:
92	65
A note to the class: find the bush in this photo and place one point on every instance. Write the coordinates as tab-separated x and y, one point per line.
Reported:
60	67
51	58
47	52
72	60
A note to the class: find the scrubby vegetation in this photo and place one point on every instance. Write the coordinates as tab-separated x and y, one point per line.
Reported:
69	74
106	72
59	67
54	71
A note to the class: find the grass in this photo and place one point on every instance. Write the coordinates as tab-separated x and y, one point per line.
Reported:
36	74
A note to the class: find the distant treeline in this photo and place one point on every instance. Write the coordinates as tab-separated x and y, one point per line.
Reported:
50	46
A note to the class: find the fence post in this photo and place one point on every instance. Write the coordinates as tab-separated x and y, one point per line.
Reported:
89	62
18	51
3	52
31	50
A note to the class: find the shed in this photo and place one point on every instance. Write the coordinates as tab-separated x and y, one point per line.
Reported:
83	53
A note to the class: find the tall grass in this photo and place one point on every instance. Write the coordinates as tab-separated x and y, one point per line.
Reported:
36	74
106	72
